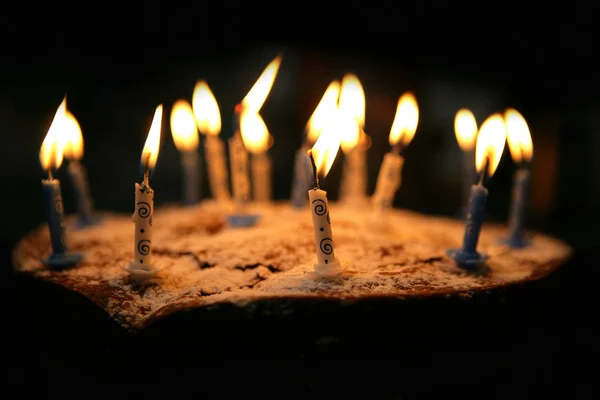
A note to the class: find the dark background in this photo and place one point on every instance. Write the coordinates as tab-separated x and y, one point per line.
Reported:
117	63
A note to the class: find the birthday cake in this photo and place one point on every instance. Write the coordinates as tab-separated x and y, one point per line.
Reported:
203	262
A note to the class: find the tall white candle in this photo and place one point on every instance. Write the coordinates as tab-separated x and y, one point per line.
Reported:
141	267
185	136
217	169
402	132
208	120
261	177
388	181
326	261
238	158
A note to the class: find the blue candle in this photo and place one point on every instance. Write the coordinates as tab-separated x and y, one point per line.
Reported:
521	150
489	148
51	156
517	237
185	136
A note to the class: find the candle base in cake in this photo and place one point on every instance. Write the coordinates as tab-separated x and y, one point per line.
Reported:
328	269
63	261
242	220
516	241
140	273
467	260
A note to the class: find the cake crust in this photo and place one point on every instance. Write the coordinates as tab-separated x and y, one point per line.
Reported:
204	263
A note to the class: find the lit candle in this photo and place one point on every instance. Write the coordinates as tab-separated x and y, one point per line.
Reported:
354	143
141	267
185	136
521	151
302	168
250	105
51	156
73	151
488	151
402	132
256	140
465	129
208	120
322	156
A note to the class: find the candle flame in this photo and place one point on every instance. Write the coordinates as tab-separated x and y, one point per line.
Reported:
320	115
254	132
259	92
406	120
352	98
73	147
206	110
518	136
152	145
51	151
183	126
490	143
465	128
350	133
326	147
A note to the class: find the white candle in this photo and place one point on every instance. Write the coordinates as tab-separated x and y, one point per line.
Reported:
141	267
354	173
261	177
327	263
322	156
238	158
402	132
185	136
142	218
388	181
217	170
208	120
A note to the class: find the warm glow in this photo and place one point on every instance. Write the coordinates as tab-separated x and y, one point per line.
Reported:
406	120
352	99
51	152
490	143
183	126
465	128
206	110
350	133
321	114
151	147
73	139
259	92
326	147
254	132
518	136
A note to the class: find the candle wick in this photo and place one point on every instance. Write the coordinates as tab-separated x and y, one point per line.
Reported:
50	176
314	169
147	168
483	171
397	148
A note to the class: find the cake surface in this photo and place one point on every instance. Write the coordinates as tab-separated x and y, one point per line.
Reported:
204	262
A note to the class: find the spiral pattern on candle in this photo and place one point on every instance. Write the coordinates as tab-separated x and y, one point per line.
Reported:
143	247
326	245
58	205
143	209
320	208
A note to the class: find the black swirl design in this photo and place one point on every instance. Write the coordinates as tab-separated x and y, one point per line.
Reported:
143	209
143	247
58	205
321	207
326	246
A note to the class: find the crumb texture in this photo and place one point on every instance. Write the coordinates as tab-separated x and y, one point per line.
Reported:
203	262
